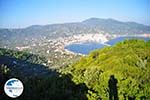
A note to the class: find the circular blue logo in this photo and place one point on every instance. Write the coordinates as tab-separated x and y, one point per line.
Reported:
13	88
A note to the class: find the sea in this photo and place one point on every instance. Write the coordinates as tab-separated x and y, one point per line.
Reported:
86	47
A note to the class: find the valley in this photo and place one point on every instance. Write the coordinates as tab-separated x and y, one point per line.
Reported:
42	58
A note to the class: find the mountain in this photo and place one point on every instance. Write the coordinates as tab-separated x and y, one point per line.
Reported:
121	70
92	25
117	27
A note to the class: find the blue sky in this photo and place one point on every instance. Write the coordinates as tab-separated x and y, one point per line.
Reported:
23	13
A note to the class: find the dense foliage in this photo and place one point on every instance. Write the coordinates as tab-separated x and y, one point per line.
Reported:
23	56
53	87
127	61
50	85
121	70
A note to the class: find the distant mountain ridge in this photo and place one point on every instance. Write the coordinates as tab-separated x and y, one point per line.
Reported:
97	25
89	26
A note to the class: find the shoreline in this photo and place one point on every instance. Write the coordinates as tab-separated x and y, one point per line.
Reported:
101	42
96	38
59	44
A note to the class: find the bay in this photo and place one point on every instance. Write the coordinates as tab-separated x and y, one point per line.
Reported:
87	47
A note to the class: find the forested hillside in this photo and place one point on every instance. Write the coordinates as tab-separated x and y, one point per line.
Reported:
40	82
121	70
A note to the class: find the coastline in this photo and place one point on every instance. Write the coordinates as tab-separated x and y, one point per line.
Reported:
99	38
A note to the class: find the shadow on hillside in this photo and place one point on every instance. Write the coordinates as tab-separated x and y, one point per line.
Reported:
112	84
23	67
40	83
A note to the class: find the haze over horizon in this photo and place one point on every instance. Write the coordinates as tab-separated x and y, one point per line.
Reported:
23	13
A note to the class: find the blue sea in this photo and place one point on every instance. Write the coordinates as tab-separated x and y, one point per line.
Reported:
85	48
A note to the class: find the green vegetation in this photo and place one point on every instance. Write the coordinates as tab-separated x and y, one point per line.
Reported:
122	69
128	61
23	56
53	87
4	74
57	87
50	85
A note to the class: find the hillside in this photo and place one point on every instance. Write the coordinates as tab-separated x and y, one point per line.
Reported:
128	62
121	70
50	40
89	26
23	63
40	82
